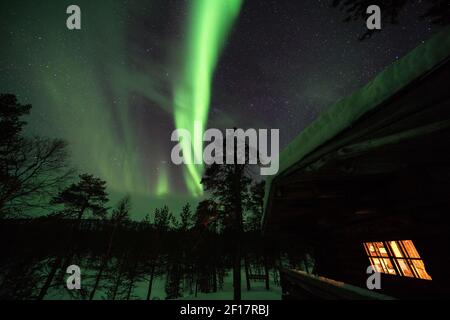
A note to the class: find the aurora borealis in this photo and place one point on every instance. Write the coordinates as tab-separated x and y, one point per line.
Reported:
117	88
209	22
68	69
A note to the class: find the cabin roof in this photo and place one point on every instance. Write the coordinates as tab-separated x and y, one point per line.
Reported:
344	113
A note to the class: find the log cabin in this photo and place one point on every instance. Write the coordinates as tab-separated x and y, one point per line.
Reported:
368	184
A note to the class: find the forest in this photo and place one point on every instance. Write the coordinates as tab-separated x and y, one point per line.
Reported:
194	251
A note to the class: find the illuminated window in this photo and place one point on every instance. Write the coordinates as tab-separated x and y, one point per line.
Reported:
396	258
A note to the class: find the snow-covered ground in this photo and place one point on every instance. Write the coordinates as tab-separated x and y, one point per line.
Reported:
257	292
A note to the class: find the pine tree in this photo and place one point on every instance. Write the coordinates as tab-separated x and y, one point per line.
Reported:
229	185
164	220
120	215
87	195
186	218
255	206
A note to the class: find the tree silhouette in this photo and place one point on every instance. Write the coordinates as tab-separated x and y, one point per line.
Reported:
120	215
11	112
186	218
207	216
173	279
229	185
87	195
31	169
196	261
164	219
255	205
115	279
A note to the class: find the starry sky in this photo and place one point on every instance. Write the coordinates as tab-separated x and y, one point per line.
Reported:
137	70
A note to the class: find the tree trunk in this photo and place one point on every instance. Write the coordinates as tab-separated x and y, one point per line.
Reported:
266	271
247	276
237	272
150	282
58	261
117	284
196	284
97	279
191	278
214	278
104	262
49	280
130	288
132	279
238	229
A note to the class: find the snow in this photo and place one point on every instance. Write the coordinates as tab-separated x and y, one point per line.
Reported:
254	294
257	292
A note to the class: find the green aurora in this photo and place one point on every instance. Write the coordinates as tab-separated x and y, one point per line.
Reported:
63	76
209	23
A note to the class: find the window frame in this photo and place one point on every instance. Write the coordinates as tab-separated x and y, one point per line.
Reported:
395	258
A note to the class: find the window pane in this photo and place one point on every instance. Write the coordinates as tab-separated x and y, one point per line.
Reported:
419	267
381	249
403	266
388	266
378	265
370	249
410	249
395	248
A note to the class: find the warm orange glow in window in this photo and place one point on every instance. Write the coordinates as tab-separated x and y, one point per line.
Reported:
395	249
396	258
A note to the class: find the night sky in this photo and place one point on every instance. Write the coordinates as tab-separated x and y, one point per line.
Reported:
138	69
